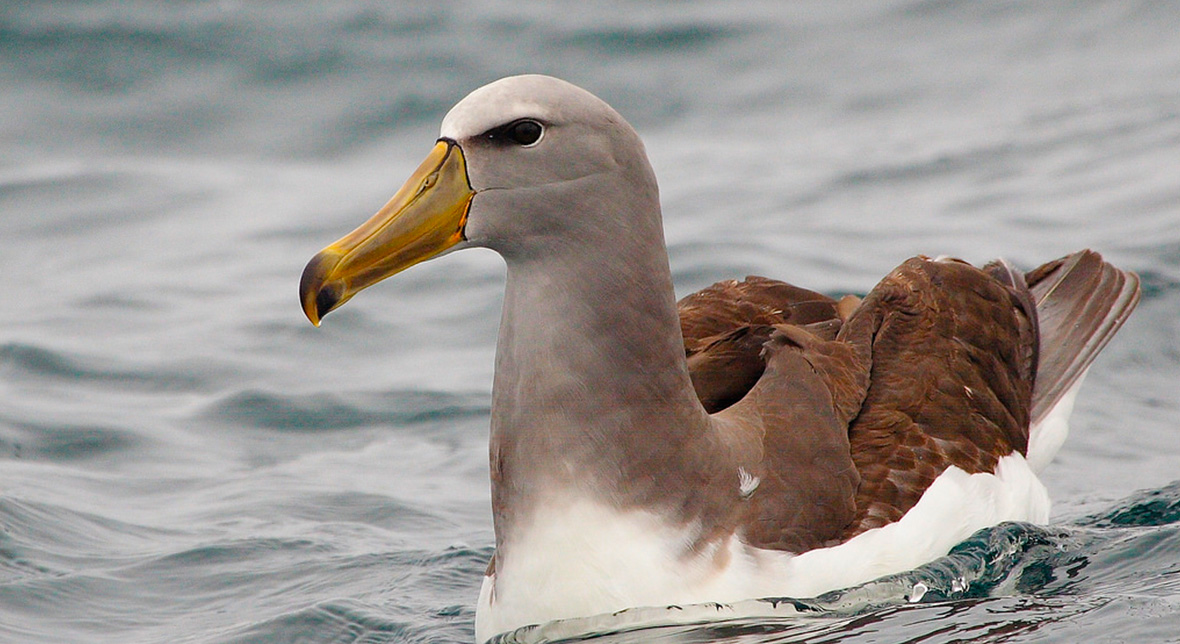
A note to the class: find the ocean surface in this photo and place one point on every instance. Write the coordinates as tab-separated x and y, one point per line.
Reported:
183	458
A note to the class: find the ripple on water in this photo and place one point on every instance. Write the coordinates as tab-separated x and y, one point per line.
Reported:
28	361
47	540
343	621
1149	508
99	579
328	411
57	442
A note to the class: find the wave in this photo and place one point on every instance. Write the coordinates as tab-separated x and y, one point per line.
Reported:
328	411
33	361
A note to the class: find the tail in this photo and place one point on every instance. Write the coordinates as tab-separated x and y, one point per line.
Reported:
1081	301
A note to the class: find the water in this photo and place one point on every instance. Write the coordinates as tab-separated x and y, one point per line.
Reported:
184	459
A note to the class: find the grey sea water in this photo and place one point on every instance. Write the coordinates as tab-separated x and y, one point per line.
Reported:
183	458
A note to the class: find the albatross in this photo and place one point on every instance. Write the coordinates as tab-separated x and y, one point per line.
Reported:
754	439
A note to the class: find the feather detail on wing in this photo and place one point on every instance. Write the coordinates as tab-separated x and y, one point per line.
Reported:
863	404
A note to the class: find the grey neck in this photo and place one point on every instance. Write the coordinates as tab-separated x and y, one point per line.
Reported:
592	394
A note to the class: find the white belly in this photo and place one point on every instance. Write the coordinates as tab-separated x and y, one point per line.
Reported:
580	558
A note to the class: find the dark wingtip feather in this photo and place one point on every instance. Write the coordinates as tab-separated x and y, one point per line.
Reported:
1081	301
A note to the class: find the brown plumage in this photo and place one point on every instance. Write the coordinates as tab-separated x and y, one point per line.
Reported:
726	325
863	404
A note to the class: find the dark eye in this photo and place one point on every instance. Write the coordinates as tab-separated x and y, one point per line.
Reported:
524	132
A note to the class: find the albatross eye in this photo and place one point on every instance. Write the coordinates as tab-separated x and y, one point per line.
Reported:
524	132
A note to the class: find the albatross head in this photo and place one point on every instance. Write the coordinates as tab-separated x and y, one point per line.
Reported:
515	166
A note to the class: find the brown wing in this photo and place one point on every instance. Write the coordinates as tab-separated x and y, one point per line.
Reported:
726	325
953	359
799	412
936	367
772	347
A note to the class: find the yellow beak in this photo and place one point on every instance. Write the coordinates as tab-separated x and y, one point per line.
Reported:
426	217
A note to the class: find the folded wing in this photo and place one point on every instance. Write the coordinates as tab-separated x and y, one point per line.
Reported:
860	405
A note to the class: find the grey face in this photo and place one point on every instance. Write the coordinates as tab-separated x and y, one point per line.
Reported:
537	147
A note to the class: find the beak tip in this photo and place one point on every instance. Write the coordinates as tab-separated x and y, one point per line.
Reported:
317	293
312	314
